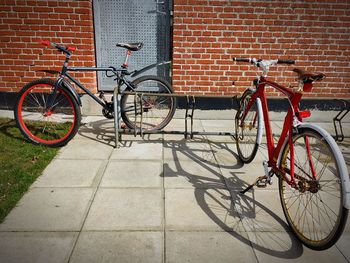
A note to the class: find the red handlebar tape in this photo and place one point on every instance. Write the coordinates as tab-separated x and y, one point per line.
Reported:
45	42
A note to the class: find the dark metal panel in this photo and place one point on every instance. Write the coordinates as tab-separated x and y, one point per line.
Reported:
146	21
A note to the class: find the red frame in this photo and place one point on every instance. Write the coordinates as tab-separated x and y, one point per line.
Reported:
287	131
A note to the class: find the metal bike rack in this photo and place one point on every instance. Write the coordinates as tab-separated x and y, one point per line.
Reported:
344	110
189	113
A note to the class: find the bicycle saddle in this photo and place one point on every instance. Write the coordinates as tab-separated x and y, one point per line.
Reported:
131	46
307	77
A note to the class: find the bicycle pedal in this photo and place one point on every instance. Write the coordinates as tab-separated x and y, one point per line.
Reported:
261	184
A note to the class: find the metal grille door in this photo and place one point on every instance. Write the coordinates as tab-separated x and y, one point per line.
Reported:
127	21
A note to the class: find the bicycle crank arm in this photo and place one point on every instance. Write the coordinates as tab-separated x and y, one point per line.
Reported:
260	182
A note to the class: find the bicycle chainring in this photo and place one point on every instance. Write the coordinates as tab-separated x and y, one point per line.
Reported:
109	114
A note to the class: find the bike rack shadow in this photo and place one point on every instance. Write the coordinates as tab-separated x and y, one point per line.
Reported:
241	207
9	125
102	131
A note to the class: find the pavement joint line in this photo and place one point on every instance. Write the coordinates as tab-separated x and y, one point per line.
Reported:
163	205
39	231
232	200
341	253
97	181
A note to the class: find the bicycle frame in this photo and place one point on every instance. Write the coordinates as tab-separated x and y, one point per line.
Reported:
119	73
293	118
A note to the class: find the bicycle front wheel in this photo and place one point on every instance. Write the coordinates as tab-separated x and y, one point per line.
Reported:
41	123
156	110
314	205
248	128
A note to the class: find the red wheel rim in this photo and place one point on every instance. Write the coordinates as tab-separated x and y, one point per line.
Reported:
24	126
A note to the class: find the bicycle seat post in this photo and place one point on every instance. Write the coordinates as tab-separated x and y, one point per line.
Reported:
127	55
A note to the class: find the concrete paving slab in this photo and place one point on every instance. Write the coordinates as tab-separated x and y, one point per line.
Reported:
192	174
126	139
101	130
260	210
220	139
126	209
138	150
343	245
225	154
133	174
49	209
179	124
188	150
69	173
347	226
36	246
219	125
181	136
272	247
86	149
119	247
281	246
7	114
236	174
201	210
208	247
208	114
241	176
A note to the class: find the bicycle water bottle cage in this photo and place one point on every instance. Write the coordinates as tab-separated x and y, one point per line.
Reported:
131	46
307	78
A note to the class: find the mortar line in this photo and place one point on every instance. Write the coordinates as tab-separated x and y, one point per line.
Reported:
101	172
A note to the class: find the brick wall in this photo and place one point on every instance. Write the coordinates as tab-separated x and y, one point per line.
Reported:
207	34
23	23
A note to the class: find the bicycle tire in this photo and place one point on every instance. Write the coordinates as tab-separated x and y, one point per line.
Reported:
52	128
156	116
248	140
320	199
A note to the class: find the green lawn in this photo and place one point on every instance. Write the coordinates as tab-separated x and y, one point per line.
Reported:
20	164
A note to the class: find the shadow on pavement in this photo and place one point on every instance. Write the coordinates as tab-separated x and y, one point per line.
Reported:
232	204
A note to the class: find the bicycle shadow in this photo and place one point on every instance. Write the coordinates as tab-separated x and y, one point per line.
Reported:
10	129
103	131
238	215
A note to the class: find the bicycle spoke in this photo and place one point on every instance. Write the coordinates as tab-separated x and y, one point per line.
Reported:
314	206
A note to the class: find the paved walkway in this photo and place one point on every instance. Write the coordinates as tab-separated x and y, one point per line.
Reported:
161	199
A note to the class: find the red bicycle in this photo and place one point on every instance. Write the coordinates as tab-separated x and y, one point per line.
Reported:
314	185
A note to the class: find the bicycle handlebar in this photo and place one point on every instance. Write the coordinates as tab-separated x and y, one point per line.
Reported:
242	59
59	47
285	61
257	61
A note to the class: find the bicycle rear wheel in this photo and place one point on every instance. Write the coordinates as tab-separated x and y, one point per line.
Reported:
53	126
314	206
157	111
248	131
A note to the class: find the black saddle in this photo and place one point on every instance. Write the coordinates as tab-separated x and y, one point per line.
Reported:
131	46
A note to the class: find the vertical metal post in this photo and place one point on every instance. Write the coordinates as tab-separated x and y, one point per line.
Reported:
135	112
117	114
192	112
141	119
186	114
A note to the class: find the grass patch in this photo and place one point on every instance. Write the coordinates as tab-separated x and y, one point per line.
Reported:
20	164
